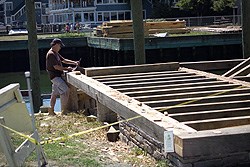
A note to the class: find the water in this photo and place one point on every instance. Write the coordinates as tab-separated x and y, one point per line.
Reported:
46	102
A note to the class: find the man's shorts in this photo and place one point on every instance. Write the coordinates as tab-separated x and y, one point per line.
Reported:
59	86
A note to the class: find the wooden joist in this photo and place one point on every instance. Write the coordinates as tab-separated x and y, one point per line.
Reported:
200	94
212	114
217	123
200	107
159	87
199	103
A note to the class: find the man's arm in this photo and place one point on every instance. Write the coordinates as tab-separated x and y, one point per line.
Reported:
61	68
67	61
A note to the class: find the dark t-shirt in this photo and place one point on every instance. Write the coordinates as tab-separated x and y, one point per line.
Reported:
53	58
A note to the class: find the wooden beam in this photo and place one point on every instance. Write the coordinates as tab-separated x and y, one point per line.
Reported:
218	77
199	100
193	94
166	83
214	142
202	115
178	90
155	79
183	85
212	65
131	69
109	78
217	123
200	107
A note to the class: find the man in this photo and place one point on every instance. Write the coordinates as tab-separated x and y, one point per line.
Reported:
55	70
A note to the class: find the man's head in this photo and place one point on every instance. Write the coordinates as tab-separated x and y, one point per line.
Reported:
57	41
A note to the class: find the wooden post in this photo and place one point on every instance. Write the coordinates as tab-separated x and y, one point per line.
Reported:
245	28
33	54
104	114
138	29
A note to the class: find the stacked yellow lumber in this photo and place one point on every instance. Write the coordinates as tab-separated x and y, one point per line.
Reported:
124	28
118	29
171	27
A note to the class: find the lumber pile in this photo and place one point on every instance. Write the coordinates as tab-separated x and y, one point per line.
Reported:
124	28
117	29
171	27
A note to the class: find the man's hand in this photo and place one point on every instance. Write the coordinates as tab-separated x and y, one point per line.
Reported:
69	69
77	63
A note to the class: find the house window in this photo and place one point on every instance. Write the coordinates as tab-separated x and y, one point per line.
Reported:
99	16
38	5
106	16
121	16
127	16
8	6
113	15
110	1
88	17
78	17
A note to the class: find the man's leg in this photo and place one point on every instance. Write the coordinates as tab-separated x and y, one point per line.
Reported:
53	99
63	90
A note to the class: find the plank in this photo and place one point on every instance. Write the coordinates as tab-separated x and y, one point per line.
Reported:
210	75
209	91
217	123
199	100
200	107
148	79
202	115
177	90
166	24
233	72
214	142
118	23
170	30
212	65
131	75
131	69
140	76
166	83
183	85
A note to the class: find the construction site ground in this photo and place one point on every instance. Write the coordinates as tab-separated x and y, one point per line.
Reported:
91	149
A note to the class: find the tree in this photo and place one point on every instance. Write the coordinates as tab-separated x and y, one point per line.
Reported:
205	7
198	7
220	5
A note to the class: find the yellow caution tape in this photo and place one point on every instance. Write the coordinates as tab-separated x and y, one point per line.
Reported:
87	131
31	139
34	141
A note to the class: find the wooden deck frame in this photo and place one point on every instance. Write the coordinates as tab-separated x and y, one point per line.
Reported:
190	143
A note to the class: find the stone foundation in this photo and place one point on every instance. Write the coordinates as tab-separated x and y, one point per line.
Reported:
133	136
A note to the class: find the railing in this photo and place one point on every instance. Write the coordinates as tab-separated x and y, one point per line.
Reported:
210	20
84	4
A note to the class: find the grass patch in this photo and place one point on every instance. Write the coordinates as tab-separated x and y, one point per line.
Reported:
192	33
45	36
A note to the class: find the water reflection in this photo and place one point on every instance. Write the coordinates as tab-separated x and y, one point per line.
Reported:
46	102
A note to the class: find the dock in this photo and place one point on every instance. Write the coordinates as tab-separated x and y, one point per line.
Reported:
209	113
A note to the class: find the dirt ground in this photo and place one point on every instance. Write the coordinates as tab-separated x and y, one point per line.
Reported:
108	154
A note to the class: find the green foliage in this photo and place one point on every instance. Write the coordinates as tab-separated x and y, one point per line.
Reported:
220	5
200	7
204	7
